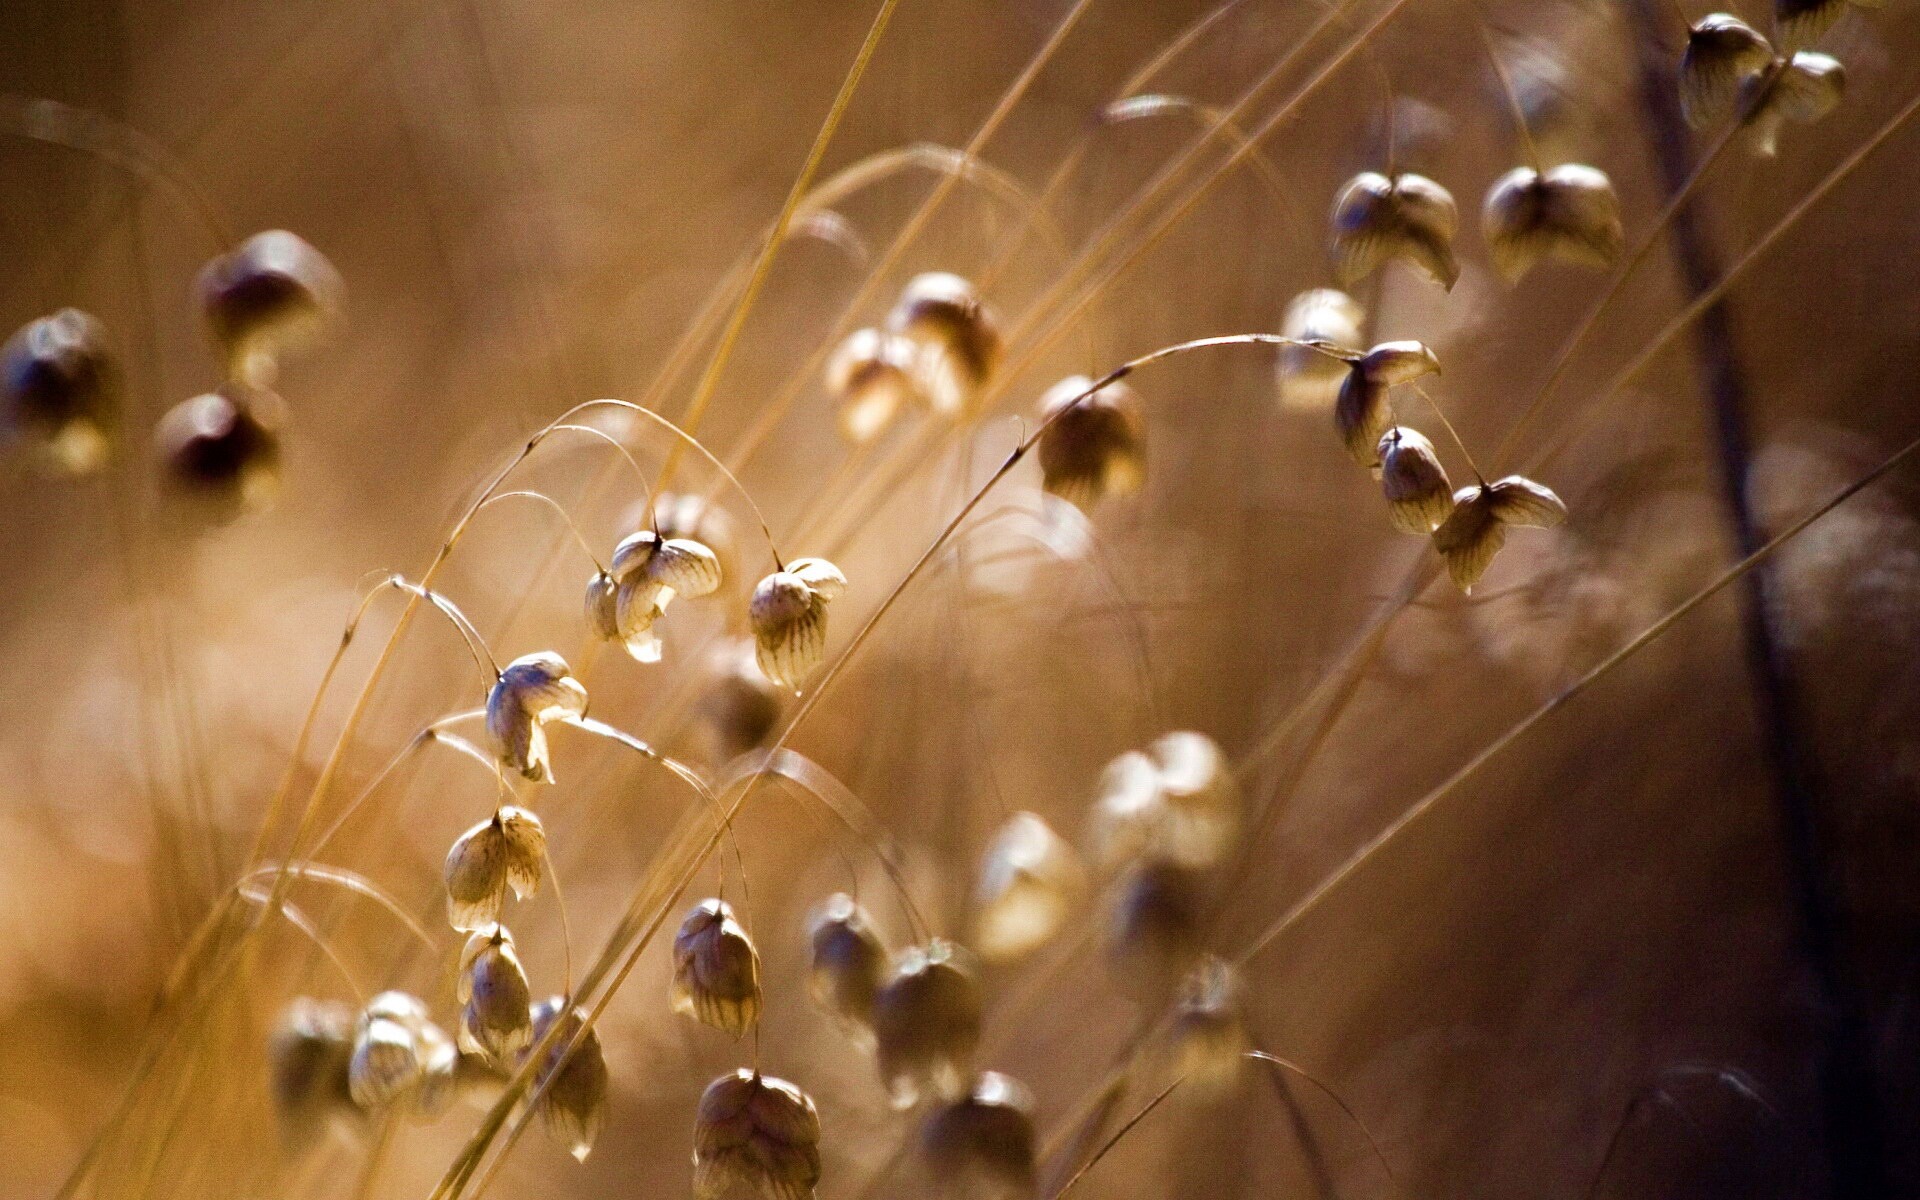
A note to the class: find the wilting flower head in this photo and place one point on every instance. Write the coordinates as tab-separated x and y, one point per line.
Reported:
716	970
1569	213
1469	539
1723	53
1419	497
268	295
1362	413
848	961
1208	1034
505	852
492	989
1030	881
926	1023
871	374
1176	801
310	1053
1096	447
757	1131
1308	378
788	613
1408	216
1154	927
647	572
221	450
1806	89
532	690
399	1055
957	336
61	390
574	1103
981	1146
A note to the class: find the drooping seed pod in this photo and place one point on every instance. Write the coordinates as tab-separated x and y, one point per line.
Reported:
1030	882
505	852
788	613
1154	928
574	1104
647	573
61	390
871	376
1802	22
532	690
309	1054
739	706
716	970
982	1146
1310	380
268	295
848	962
957	340
1569	213
1361	413
400	1056
602	607
1208	1033
926	1023
1128	811
1176	802
1409	216
1419	495
1808	88
220	451
1723	53
492	989
1468	540
1094	448
753	1130
439	1075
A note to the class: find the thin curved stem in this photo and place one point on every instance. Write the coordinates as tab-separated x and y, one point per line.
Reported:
1281	1064
556	506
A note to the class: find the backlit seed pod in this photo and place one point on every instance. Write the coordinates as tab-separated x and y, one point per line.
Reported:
221	451
871	376
532	690
1094	448
740	706
648	572
1419	496
399	1054
1154	928
439	1073
1808	88
1468	540
848	961
755	1131
309	1056
492	990
574	1106
1723	53
1803	21
788	613
1030	882
1361	413
1408	216
507	852
716	970
1129	812
982	1147
61	390
602	607
1570	214
1310	380
1201	797
270	294
926	1024
957	339
1208	1033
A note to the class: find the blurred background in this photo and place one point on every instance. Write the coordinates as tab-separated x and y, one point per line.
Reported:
1595	950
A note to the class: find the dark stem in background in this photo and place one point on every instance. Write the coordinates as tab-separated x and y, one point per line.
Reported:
1851	1118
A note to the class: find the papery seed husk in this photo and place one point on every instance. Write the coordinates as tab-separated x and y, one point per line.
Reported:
1030	882
789	620
221	451
716	970
740	705
982	1146
848	961
385	1062
1361	414
1409	216
439	1074
271	293
1208	1032
926	1023
601	607
871	375
309	1055
957	335
496	1000
574	1104
1802	22
1722	53
1309	379
1094	448
1419	496
1517	500
822	576
1201	798
1154	928
532	690
1570	213
757	1131
1468	540
62	390
1128	812
1807	89
507	851
688	567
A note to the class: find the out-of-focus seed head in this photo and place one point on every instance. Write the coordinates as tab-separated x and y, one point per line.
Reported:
1723	53
1095	448
1802	22
507	851
602	607
574	1105
1419	496
957	340
532	690
439	1073
61	391
740	706
1310	380
788	613
1362	413
1808	88
1570	213
310	1054
220	452
399	1055
1030	882
1208	1033
871	375
755	1131
926	1023
269	295
982	1146
1154	928
1409	216
1468	540
492	988
716	970
1176	801
848	962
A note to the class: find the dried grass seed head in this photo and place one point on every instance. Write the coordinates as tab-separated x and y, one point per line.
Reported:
573	1105
221	451
716	970
1030	882
496	1003
740	707
1723	53
648	571
1176	801
1154	925
1096	447
1419	495
848	961
62	390
400	1056
983	1146
871	375
1208	1033
1570	213
788	613
505	852
1408	216
531	691
1310	380
926	1023
957	340
309	1056
1808	88
1469	539
272	293
756	1131
1362	413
